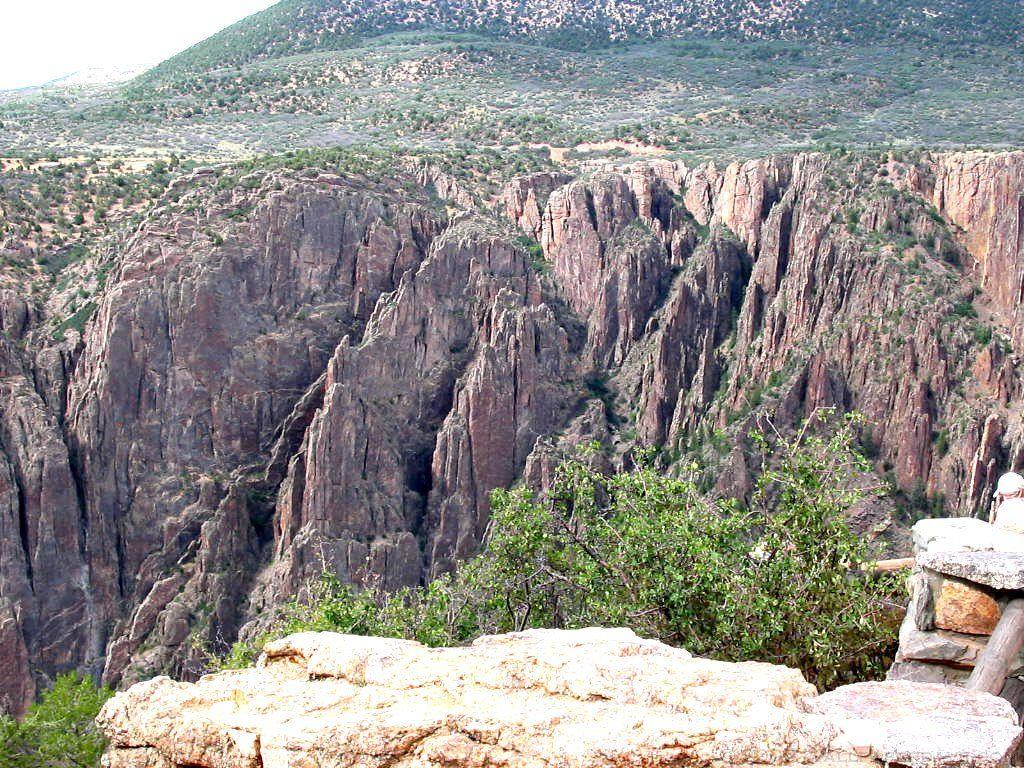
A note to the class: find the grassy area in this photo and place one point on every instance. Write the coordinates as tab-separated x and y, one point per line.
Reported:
54	211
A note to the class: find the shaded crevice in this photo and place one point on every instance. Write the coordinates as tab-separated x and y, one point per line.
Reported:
77	478
785	244
23	527
419	476
292	431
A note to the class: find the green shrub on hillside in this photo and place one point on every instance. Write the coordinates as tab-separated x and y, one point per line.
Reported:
775	581
57	731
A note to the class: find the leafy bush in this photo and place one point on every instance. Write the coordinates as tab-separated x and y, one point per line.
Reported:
76	322
964	309
58	731
775	581
983	334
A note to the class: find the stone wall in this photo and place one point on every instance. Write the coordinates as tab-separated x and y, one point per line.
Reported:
966	572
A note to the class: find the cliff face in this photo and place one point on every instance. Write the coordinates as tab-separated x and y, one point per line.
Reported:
317	371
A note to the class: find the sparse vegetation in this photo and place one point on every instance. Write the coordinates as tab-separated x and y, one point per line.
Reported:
706	98
776	580
57	731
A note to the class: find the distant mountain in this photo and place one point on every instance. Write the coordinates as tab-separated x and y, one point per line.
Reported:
91	76
300	26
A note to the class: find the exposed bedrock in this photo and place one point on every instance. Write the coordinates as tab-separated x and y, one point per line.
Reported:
318	372
600	698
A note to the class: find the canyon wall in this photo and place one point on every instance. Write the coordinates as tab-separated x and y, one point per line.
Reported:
308	371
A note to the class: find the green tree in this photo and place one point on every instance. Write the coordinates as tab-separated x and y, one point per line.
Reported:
58	731
776	580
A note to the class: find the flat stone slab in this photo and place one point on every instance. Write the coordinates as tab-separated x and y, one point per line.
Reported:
927	672
942	647
998	570
924	725
963	534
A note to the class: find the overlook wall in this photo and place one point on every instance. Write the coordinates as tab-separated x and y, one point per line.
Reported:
967	571
593	698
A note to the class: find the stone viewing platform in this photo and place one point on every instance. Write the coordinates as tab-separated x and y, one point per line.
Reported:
967	574
593	698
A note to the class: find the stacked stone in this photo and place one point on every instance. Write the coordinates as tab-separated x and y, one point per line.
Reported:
966	572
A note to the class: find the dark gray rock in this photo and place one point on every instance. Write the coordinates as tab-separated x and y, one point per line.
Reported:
998	570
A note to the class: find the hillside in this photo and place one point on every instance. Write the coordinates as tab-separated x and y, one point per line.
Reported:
300	26
708	99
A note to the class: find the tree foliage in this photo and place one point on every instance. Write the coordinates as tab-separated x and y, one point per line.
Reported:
776	580
57	731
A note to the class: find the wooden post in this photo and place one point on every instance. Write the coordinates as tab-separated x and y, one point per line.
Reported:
888	566
1003	647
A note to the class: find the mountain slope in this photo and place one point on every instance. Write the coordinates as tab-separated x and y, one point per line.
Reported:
300	26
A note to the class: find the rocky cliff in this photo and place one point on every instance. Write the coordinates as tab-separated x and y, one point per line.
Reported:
592	698
302	370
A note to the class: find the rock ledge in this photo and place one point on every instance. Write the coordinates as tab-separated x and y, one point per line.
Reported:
573	699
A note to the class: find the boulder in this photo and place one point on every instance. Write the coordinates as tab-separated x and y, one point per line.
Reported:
927	672
924	724
963	534
960	607
585	698
941	655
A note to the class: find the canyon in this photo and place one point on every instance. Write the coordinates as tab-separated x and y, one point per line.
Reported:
312	370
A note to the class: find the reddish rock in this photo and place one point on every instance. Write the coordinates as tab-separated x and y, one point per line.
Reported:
325	372
525	198
960	607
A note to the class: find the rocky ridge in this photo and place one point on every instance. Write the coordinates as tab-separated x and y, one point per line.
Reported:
308	370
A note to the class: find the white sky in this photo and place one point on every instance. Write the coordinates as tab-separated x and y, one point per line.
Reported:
44	39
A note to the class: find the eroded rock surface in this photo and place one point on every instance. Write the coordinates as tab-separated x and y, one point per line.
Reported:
579	699
925	724
305	370
999	570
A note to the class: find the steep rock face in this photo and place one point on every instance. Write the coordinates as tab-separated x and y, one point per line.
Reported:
518	388
983	195
613	243
682	369
310	373
525	198
458	374
44	596
816	303
199	349
825	315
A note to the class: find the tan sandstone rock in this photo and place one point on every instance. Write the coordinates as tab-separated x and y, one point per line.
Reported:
572	699
584	698
960	607
925	724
